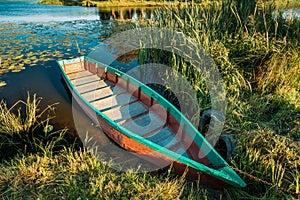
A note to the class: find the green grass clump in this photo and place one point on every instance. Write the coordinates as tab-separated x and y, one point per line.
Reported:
271	158
11	123
25	128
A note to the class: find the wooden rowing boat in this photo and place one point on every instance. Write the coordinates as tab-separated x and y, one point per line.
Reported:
123	106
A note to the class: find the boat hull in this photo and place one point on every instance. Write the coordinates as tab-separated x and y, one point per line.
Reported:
143	151
189	165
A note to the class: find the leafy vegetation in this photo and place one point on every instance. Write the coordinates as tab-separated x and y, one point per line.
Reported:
25	129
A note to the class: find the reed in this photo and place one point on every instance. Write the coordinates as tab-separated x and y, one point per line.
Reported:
25	129
256	51
11	121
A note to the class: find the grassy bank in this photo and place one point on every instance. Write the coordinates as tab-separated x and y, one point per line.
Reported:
51	2
281	4
62	2
133	3
258	58
38	161
288	4
78	175
114	3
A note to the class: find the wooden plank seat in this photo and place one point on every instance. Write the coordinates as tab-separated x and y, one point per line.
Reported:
113	101
144	124
163	137
79	74
103	92
93	86
86	79
126	112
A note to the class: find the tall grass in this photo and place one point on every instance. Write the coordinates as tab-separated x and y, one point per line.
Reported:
78	175
25	128
256	50
241	36
41	164
11	121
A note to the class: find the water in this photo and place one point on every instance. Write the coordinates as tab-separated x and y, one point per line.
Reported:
29	11
42	34
295	12
133	14
33	36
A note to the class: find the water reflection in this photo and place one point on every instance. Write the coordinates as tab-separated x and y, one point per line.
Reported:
28	11
126	13
292	13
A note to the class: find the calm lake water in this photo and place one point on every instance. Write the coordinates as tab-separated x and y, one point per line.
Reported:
29	11
33	36
292	13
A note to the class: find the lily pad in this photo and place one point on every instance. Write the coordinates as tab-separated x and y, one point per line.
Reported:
19	57
2	83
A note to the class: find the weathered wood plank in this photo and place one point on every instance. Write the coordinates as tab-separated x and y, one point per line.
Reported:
144	124
98	93
92	86
113	101
164	137
126	112
79	74
84	80
73	67
182	152
160	135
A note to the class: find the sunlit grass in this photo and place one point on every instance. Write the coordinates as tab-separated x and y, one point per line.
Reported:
76	174
40	163
55	2
12	121
25	128
257	56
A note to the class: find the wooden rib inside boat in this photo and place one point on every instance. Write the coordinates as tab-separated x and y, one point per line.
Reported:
142	121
